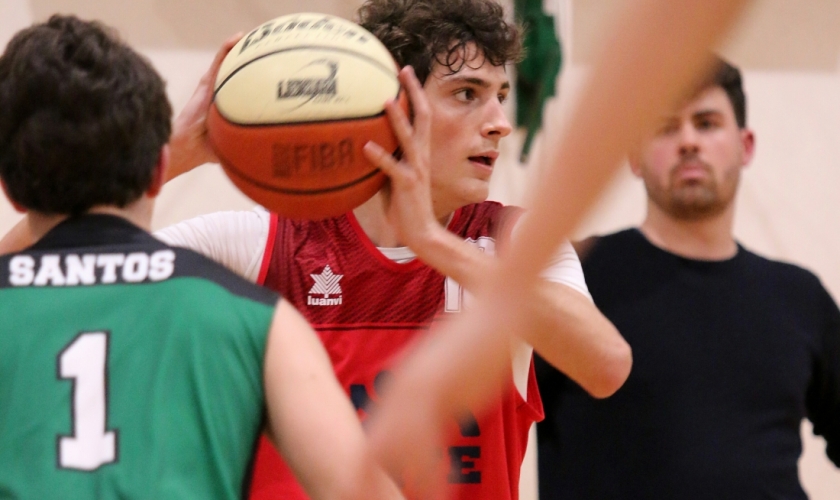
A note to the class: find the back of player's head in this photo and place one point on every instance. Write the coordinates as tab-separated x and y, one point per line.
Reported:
83	118
423	32
728	77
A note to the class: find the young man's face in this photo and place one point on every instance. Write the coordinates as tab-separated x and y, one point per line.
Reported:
692	166
467	123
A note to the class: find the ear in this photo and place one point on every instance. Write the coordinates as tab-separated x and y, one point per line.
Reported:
159	174
634	160
748	143
17	206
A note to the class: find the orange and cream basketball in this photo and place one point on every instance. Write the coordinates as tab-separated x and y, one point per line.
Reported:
296	100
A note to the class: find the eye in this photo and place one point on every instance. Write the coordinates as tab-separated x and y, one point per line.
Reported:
503	98
708	120
705	124
668	127
465	95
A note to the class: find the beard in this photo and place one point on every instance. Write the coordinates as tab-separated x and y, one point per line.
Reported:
693	199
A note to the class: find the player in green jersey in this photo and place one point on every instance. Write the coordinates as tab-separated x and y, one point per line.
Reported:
129	369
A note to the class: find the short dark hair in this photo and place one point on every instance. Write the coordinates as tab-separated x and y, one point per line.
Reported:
422	32
83	118
728	77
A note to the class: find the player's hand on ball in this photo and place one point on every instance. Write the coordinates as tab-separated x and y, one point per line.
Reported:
409	194
189	144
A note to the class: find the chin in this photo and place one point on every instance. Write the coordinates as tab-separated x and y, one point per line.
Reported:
466	194
477	194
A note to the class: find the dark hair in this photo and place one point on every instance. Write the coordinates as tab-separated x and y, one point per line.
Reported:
728	77
83	118
422	32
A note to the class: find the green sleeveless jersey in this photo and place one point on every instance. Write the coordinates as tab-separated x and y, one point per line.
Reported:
128	369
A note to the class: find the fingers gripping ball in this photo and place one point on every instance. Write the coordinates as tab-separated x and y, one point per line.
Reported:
295	102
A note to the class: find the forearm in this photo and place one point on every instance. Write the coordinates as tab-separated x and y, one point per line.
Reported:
564	326
184	154
452	257
569	332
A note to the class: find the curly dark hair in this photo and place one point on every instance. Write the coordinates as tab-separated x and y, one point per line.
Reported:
423	32
83	119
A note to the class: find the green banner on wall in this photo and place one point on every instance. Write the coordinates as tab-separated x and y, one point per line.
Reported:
536	74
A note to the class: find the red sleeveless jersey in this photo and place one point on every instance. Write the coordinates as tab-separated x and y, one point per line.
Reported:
367	309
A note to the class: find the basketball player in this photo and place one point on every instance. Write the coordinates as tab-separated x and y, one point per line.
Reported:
128	368
626	94
383	297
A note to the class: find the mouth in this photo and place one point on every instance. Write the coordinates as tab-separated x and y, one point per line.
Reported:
487	160
691	171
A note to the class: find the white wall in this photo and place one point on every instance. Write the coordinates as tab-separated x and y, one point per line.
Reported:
787	207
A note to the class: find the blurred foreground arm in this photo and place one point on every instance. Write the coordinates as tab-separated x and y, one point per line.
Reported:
659	49
311	420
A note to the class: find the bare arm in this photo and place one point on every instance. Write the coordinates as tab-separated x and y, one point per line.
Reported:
311	420
627	91
564	327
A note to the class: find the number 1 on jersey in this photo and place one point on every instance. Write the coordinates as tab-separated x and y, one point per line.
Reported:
85	362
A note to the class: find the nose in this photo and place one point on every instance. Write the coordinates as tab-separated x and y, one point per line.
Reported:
496	124
688	140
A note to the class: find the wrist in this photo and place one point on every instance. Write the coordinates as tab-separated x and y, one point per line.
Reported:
429	239
184	157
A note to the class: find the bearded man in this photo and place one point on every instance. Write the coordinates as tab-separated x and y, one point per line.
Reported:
731	350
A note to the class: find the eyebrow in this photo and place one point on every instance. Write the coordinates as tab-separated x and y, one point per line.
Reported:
706	112
480	82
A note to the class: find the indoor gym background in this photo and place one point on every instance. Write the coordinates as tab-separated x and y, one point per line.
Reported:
789	52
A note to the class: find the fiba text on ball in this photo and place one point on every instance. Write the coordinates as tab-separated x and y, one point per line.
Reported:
294	159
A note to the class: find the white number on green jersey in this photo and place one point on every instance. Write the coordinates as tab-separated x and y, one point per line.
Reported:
85	361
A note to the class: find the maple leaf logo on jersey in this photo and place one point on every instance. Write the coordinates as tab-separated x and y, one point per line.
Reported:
326	284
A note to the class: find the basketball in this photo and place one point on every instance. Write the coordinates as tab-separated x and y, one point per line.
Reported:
295	101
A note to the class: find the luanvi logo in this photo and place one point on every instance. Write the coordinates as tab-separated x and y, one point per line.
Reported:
311	86
326	284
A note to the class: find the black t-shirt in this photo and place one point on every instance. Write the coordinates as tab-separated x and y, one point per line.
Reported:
728	358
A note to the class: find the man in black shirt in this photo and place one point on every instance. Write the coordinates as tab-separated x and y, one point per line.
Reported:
731	350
